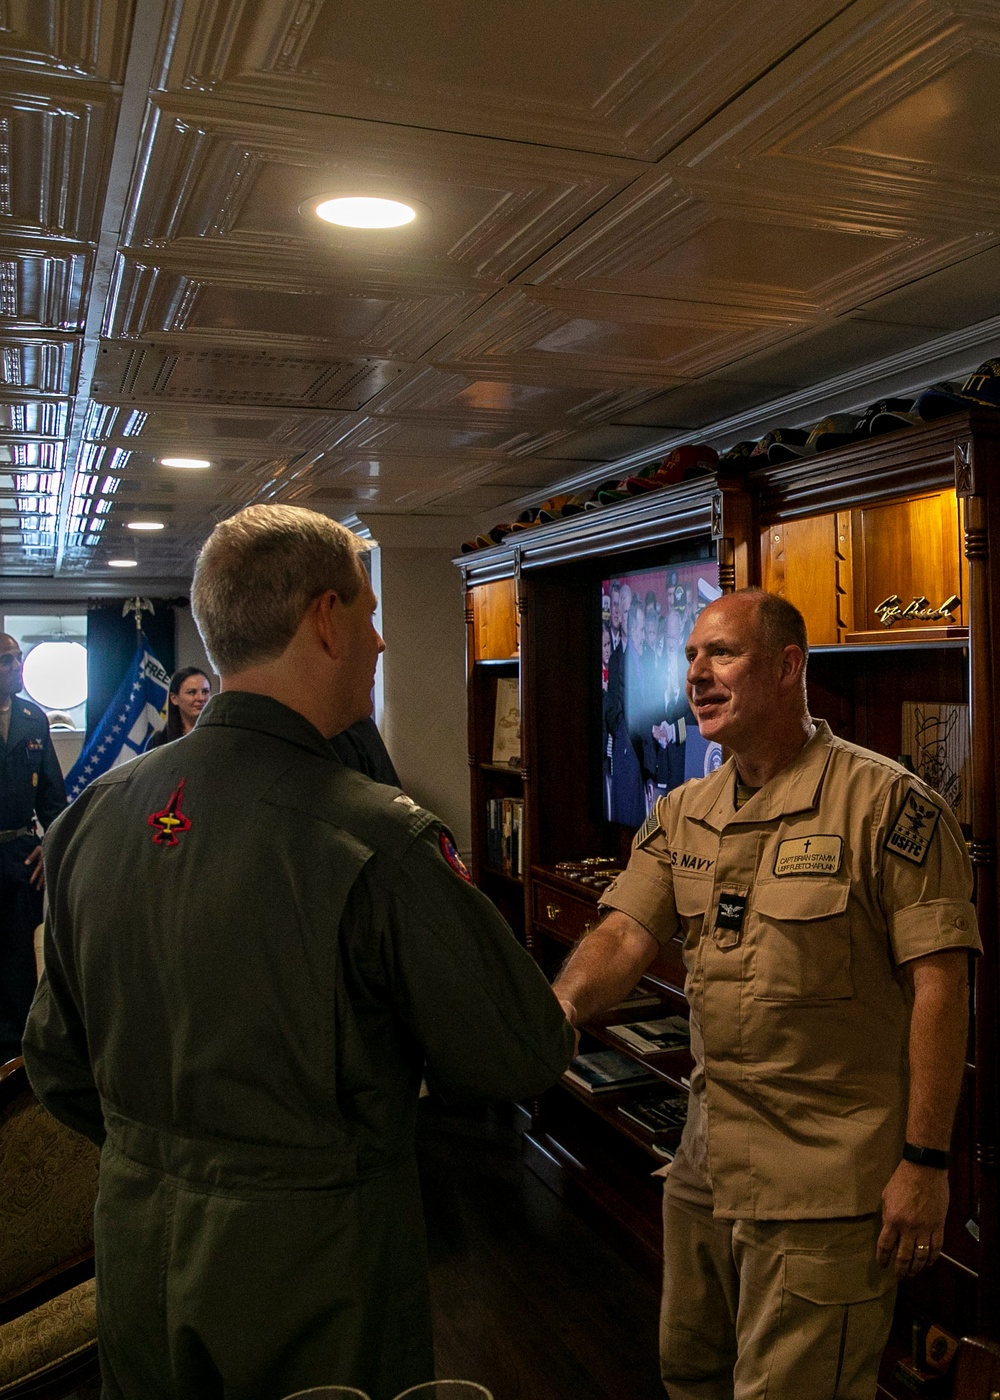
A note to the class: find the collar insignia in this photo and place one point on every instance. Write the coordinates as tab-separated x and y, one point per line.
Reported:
170	822
730	912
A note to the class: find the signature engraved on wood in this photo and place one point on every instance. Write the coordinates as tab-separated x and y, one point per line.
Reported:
891	610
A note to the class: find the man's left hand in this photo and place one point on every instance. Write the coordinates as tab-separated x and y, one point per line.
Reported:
37	875
914	1205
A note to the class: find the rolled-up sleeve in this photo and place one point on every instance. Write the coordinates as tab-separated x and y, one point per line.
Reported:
645	889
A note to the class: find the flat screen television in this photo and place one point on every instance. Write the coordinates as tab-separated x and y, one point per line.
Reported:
649	739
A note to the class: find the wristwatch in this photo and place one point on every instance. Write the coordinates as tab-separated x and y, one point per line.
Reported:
925	1156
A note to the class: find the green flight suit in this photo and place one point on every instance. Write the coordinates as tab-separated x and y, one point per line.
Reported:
252	956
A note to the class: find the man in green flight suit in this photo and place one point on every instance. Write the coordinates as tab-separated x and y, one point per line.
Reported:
252	955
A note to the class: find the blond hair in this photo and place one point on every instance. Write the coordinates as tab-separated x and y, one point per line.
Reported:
258	572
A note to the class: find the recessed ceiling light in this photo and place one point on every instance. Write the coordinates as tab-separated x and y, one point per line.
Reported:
364	211
122	563
191	463
145	525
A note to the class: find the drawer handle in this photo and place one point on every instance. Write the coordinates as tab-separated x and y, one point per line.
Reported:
552	911
588	927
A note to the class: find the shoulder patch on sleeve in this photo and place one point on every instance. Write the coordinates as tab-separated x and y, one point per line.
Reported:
647	831
914	827
450	853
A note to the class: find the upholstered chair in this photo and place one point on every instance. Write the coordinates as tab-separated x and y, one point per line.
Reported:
48	1185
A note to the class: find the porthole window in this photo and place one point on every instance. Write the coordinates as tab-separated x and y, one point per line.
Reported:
55	675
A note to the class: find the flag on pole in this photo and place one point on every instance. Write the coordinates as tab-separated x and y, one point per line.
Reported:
135	712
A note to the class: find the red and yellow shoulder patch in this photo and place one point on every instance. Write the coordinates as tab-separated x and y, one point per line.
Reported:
451	855
170	822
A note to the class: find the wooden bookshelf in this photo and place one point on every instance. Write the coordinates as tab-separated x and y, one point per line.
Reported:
915	514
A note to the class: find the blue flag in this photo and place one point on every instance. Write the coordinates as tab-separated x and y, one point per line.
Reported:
135	712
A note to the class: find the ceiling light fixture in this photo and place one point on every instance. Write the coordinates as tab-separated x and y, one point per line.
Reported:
122	563
189	463
145	525
365	211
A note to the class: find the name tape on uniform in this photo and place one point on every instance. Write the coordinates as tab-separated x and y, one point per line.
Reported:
810	855
914	829
684	860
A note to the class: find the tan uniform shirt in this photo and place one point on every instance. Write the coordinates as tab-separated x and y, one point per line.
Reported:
796	912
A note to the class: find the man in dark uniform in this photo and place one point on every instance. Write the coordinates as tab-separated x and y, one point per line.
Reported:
31	786
253	955
362	748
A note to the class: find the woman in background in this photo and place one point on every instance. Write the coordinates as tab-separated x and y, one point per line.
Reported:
190	692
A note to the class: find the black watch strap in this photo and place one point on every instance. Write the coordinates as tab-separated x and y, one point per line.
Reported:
925	1156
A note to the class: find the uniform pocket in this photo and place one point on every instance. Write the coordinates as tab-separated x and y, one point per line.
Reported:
691	897
836	1280
802	940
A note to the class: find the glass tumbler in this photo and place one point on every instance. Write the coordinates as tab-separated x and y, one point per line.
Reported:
328	1392
446	1390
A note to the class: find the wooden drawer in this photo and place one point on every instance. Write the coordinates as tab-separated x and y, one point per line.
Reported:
561	914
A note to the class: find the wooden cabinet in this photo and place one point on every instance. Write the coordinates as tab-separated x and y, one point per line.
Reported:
912	517
561	916
493	656
915	516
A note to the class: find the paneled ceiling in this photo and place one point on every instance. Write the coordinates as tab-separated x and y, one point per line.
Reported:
638	224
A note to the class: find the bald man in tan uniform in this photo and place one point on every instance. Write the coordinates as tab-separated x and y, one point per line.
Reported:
823	896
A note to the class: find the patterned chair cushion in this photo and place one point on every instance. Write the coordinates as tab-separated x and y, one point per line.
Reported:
49	1176
62	1328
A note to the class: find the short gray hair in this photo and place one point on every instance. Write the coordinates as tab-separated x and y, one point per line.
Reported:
258	572
779	621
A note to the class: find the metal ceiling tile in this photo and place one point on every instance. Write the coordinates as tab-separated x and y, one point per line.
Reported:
632	79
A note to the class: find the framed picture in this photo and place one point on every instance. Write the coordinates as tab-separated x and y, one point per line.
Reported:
507	723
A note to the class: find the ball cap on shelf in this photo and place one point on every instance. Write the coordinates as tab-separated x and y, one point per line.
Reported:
826	441
559	507
982	388
787	451
739	452
682	463
788	436
480	542
891	420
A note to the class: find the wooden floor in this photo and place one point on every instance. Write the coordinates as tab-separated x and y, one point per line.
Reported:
528	1299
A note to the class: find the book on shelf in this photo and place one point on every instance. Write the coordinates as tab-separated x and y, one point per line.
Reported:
662	1150
606	1069
659	1112
654	1037
505	835
507	722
